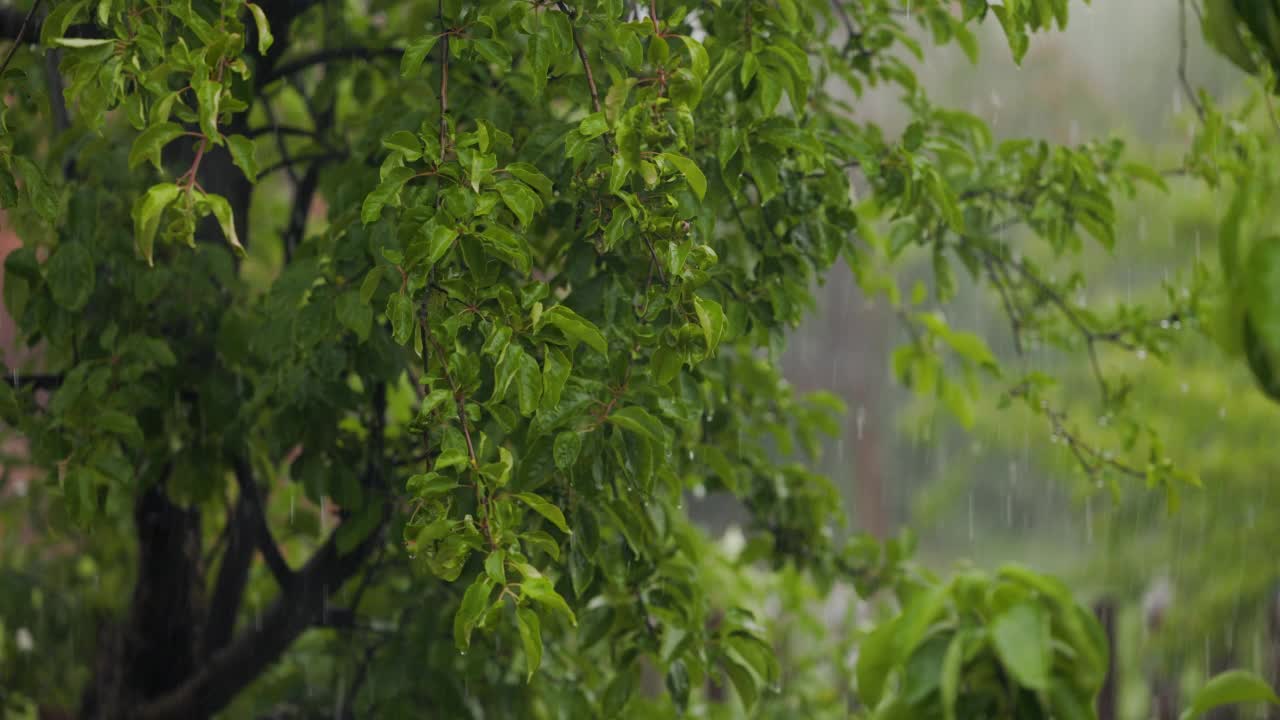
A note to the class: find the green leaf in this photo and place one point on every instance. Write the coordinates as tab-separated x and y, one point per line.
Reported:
355	314
544	508
415	53
265	38
534	178
221	210
508	247
428	486
619	692
519	199
711	318
566	448
952	665
495	566
244	154
692	175
638	420
405	143
81	43
118	423
400	311
1229	688
699	63
147	213
528	384
439	239
875	660
209	97
71	276
555	372
150	142
433	400
372	280
593	125
678	684
743	678
531	638
540	590
1022	640
474	602
575	327
386	191
494	52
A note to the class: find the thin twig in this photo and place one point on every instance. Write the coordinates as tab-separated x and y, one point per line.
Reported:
312	158
662	278
458	397
323	56
17	41
582	55
843	14
444	79
1015	321
1182	60
280	144
1090	459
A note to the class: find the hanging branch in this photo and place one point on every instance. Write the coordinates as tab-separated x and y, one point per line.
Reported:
17	40
321	57
444	79
1182	60
582	54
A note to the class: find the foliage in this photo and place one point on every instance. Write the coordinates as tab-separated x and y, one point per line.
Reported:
1011	646
561	246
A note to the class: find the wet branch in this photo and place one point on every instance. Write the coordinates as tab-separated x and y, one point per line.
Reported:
17	39
1182	60
1093	461
320	57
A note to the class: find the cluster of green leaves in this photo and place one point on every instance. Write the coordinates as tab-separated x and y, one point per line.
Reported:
1016	645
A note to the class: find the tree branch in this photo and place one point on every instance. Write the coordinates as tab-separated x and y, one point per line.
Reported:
312	158
302	196
444	79
266	543
233	575
17	38
16	379
280	130
299	607
1182	60
582	55
323	56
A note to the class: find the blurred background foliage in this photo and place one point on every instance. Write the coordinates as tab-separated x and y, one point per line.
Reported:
1196	584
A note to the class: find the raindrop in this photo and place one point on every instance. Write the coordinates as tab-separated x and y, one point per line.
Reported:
1142	353
1222	412
1185	388
1164	324
861	420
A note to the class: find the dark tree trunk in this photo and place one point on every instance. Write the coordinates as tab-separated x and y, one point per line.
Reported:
154	647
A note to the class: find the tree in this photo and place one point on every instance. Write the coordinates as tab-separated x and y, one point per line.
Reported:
557	249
